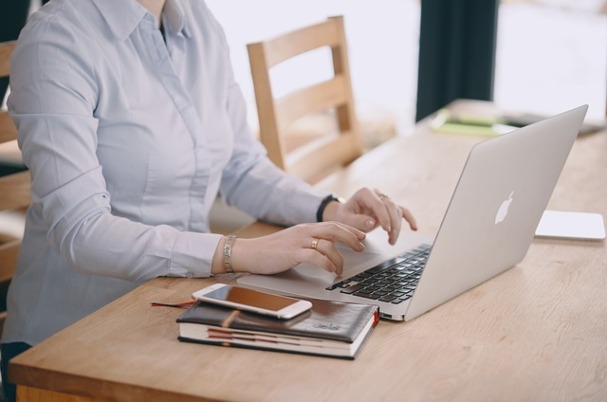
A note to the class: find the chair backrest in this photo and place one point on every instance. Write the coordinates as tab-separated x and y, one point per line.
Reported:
316	158
8	132
15	193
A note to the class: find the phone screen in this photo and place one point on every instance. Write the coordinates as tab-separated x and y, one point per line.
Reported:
251	298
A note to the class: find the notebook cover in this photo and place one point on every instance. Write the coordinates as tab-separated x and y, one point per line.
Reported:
326	320
323	352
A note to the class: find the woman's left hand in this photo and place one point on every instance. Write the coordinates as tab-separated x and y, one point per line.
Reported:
367	209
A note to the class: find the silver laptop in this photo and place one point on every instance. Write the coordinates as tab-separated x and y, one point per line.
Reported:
491	220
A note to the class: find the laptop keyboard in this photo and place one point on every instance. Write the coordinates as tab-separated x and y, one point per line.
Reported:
392	281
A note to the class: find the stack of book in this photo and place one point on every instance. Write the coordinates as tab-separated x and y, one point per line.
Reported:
329	329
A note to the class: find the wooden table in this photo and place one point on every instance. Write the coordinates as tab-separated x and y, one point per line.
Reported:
537	332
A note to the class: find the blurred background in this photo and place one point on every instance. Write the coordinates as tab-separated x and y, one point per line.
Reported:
550	55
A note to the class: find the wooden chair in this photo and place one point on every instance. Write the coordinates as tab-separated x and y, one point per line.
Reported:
314	159
15	193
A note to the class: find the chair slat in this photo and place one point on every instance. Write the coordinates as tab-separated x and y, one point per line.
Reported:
8	131
6	50
322	158
301	41
8	258
322	96
15	191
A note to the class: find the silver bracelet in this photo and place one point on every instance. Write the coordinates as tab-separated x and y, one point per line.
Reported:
227	253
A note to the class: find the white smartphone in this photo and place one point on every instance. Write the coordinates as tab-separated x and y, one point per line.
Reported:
252	300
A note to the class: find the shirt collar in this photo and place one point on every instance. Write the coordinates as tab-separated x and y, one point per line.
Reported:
174	19
123	16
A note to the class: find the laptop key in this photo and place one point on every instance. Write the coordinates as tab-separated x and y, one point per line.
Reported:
403	298
367	295
387	298
352	289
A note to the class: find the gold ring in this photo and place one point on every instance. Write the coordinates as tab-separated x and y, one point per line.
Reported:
315	243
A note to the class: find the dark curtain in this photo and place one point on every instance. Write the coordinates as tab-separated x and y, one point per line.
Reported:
456	52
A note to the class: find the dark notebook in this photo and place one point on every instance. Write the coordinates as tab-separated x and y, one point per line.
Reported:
328	329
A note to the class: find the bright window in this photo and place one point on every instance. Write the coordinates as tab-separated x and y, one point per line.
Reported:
552	56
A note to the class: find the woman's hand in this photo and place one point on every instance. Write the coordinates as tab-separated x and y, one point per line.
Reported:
313	243
367	209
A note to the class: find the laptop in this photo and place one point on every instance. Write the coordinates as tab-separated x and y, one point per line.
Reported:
489	224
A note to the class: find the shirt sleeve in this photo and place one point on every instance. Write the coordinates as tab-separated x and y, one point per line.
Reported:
53	98
257	186
252	182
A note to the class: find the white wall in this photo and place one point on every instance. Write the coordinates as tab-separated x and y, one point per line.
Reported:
383	37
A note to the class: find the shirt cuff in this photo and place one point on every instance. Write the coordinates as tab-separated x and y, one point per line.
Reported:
192	254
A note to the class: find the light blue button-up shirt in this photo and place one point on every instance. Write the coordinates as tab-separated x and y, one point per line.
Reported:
129	140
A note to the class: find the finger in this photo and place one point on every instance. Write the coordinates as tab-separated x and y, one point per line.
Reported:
380	210
361	222
359	234
402	213
380	194
333	231
383	210
329	250
396	217
314	257
409	218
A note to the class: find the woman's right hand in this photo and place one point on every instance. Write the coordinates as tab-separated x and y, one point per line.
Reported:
310	242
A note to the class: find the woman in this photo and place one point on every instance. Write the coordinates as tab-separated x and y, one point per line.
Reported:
130	131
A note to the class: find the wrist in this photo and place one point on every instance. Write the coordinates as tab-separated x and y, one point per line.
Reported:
223	259
330	213
227	253
328	207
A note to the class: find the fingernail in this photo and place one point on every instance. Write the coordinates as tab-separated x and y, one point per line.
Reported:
369	224
361	246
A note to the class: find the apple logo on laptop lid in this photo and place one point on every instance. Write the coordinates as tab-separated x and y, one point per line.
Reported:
502	212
